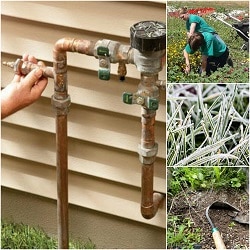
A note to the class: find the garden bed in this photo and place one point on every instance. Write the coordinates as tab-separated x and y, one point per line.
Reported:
196	11
188	227
176	37
193	204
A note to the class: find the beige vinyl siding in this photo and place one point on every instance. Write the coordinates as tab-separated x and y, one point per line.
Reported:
104	169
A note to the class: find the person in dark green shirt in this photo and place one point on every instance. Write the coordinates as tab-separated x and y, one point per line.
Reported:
213	49
194	23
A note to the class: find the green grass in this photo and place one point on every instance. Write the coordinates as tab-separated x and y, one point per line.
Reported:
208	125
20	236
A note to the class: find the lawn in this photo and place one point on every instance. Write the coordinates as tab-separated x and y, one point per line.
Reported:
21	236
176	40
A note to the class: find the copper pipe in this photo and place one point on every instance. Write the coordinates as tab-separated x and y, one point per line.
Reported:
61	102
122	54
62	181
150	201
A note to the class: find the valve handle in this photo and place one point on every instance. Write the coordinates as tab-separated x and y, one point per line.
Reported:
147	101
104	63
152	103
127	98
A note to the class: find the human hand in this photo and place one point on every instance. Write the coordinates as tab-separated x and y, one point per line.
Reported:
23	90
187	69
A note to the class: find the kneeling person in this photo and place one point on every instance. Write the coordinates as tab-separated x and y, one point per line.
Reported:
213	49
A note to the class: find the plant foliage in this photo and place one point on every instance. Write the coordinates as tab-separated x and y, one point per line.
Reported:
201	178
177	39
208	125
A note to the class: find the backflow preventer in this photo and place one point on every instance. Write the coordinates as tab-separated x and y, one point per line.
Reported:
147	53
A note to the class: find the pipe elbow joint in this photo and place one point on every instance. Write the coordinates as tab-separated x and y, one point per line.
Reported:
148	212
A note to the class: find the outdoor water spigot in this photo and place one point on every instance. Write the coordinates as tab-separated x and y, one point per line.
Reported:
22	67
104	63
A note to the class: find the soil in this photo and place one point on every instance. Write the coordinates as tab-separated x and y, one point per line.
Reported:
193	204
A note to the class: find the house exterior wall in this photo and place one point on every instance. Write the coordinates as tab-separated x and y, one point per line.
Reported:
104	169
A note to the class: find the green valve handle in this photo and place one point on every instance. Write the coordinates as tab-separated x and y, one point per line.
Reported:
152	103
127	98
104	74
104	63
102	51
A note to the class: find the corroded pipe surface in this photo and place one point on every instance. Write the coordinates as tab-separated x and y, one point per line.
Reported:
150	201
60	61
74	45
61	102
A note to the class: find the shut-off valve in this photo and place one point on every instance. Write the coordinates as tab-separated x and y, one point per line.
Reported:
148	39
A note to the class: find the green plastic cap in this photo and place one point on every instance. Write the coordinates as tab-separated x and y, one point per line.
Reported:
127	98
104	74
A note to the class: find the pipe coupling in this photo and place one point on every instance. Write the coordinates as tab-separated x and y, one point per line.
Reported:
147	155
61	105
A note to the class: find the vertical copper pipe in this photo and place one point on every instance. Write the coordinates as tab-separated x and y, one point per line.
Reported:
150	201
147	142
61	102
62	181
147	204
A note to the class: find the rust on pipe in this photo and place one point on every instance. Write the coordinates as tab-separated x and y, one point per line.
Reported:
61	102
150	201
74	45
